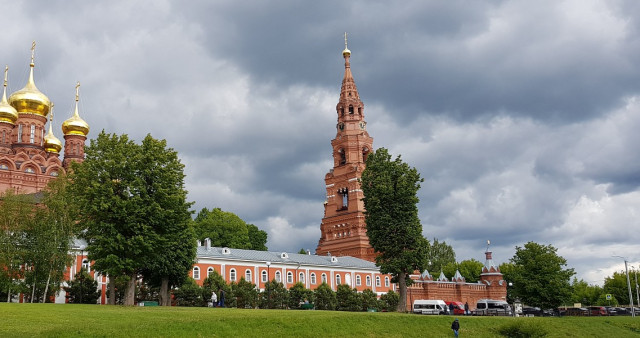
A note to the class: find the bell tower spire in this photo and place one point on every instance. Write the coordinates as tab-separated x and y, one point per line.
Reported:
343	230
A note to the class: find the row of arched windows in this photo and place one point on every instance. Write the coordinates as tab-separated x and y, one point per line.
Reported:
248	274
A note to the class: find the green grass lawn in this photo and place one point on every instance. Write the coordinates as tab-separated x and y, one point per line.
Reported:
67	320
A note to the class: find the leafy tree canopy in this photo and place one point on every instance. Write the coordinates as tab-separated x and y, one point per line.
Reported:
390	198
439	255
538	276
470	269
226	229
616	285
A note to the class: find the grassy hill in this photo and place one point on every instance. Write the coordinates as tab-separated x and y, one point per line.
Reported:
66	320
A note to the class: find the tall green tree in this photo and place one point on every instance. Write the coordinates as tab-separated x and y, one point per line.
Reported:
616	285
15	214
325	298
390	198
470	269
167	211
539	277
132	204
226	229
439	254
83	289
582	292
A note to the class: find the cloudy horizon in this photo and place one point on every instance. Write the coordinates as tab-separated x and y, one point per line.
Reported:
521	117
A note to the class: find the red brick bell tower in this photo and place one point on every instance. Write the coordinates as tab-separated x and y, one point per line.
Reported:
343	229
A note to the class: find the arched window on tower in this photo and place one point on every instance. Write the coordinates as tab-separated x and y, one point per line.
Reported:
344	198
343	157
4	136
32	134
365	153
20	133
350	109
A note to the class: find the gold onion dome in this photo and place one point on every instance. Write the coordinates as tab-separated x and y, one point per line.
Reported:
75	125
8	114
51	143
346	51
29	100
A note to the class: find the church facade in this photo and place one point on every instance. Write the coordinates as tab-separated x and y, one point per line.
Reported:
29	156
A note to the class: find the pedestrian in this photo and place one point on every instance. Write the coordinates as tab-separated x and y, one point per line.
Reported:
455	326
214	299
466	308
451	307
221	298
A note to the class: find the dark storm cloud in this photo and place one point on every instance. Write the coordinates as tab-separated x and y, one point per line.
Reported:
521	117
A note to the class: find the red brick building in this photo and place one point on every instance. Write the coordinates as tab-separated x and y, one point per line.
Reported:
29	157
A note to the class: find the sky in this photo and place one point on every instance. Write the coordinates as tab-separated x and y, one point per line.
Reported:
522	117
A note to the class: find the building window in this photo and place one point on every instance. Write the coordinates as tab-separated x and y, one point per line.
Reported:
209	271
368	280
301	277
54	173
289	277
313	278
358	280
196	272
4	136
86	265
247	276
264	276
232	275
344	199
386	281
19	133
29	170
324	277
338	280
278	277
4	167
350	108
42	138
32	134
343	156
377	280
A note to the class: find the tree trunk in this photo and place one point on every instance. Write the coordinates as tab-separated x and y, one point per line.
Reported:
402	285
46	288
9	295
112	291
165	295
130	292
33	290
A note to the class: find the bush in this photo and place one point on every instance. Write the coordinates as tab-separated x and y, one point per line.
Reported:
369	300
298	294
522	329
82	289
389	301
189	294
244	294
274	296
325	298
348	299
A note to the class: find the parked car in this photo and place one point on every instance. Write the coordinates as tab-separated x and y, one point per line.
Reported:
576	311
531	311
458	307
597	311
430	307
621	311
611	311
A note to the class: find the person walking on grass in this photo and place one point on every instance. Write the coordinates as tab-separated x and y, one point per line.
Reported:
455	326
214	299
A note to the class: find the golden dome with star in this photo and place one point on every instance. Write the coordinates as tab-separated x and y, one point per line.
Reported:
29	100
75	125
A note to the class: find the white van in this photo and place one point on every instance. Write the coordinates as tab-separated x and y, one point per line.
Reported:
430	307
492	307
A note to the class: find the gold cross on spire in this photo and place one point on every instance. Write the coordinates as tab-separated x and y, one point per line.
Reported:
51	115
77	91
345	40
6	70
33	50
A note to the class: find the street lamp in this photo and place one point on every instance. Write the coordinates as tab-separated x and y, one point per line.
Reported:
268	285
633	312
637	294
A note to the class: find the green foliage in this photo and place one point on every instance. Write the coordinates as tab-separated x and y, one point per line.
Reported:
245	294
470	269
274	296
522	329
325	297
369	300
347	299
439	255
132	203
393	227
538	276
302	251
215	283
189	294
389	301
603	301
617	286
226	229
584	293
82	289
298	294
